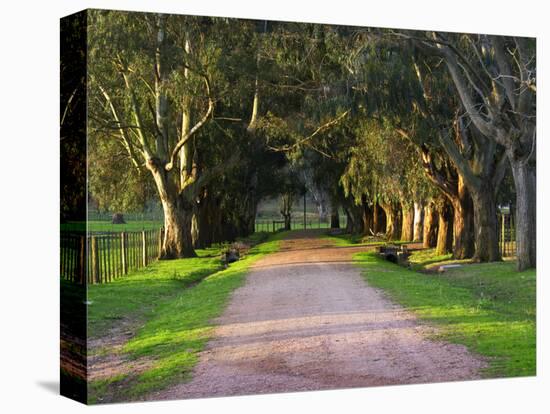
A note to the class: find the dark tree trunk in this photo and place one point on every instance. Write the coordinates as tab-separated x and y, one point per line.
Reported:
288	221
334	217
216	226
418	220
407	222
429	236
195	230
349	220
206	215
463	222
526	213
376	218
486	226
380	225
357	218
393	229
445	228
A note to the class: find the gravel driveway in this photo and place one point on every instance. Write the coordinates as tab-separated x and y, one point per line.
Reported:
306	320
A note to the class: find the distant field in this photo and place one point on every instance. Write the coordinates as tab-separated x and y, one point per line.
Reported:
262	224
97	225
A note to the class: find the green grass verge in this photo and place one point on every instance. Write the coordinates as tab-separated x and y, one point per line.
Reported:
178	317
422	259
488	307
135	295
347	239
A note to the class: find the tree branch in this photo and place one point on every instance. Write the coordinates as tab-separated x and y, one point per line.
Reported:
125	139
460	83
137	117
320	129
195	128
459	162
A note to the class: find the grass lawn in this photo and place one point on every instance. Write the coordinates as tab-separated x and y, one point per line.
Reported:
107	226
176	302
488	307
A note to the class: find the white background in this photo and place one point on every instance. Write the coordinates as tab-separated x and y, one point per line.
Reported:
29	174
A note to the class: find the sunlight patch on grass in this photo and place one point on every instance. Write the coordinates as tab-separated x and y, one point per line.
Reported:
177	327
346	239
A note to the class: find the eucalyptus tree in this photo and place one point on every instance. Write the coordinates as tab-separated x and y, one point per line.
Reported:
430	228
426	110
387	87
384	169
155	80
495	79
479	161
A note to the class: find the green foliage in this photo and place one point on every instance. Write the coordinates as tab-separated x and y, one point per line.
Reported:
383	166
121	189
490	308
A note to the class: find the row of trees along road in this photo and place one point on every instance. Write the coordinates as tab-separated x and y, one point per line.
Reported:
418	135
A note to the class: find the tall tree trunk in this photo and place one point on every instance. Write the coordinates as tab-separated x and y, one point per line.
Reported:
407	222
445	228
486	226
381	226
357	214
375	218
287	220
392	221
418	220
367	217
195	230
334	216
177	242
526	213
286	209
429	236
204	224
349	220
463	222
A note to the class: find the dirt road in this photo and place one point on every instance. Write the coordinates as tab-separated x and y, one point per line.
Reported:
307	320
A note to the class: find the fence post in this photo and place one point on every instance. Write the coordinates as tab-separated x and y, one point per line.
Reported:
124	257
161	231
82	261
107	249
95	261
144	250
502	236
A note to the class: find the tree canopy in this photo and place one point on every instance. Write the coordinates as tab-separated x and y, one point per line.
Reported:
208	116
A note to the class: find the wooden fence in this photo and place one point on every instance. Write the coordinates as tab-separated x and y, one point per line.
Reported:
297	223
104	257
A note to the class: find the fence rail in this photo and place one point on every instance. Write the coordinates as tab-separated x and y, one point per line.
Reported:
273	225
104	257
